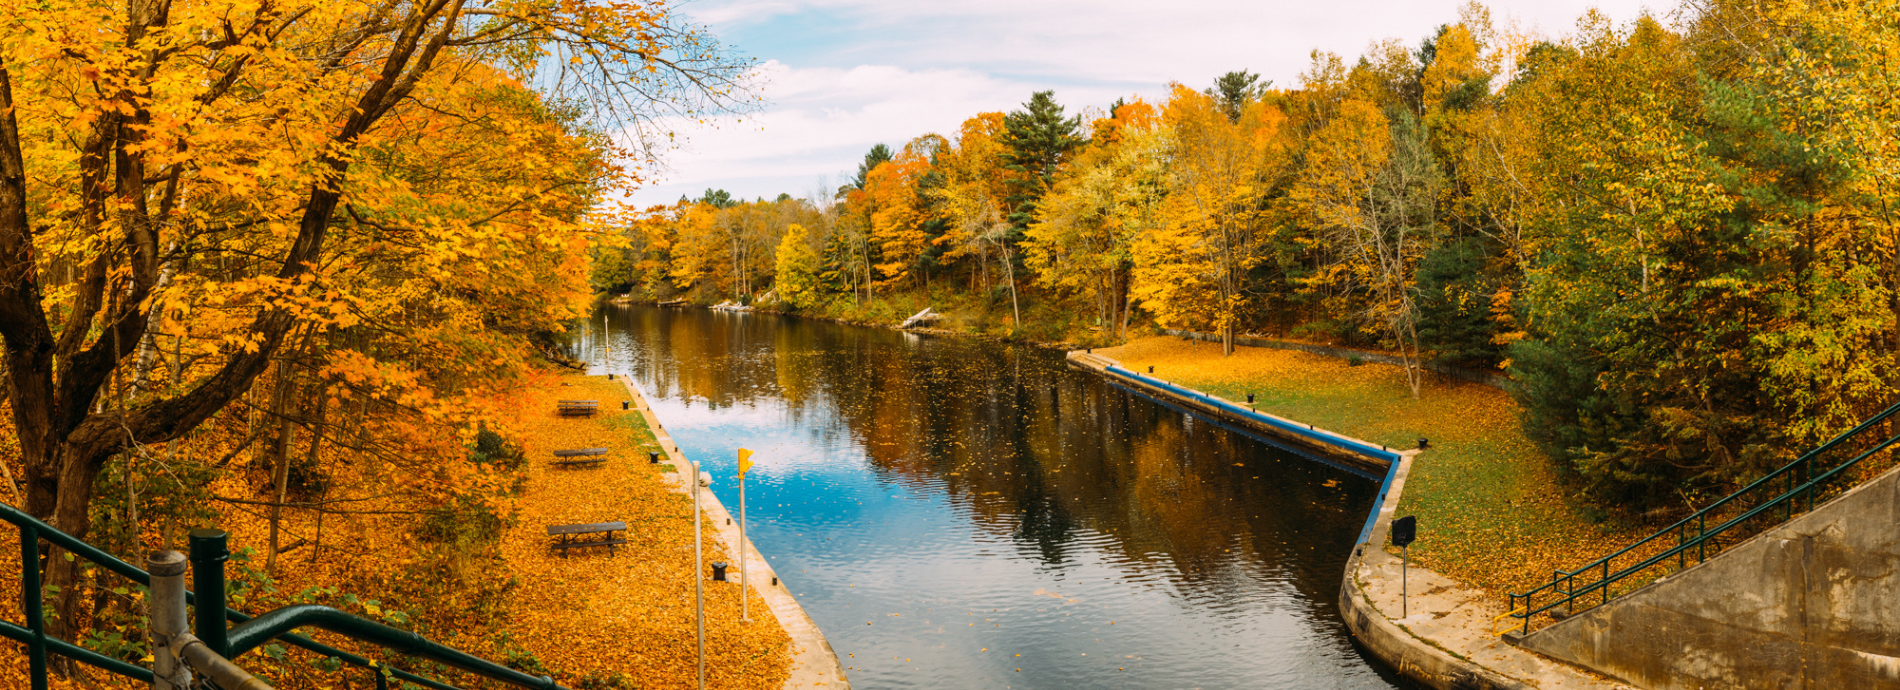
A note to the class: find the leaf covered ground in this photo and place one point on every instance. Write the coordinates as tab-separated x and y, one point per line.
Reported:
630	613
1492	512
593	621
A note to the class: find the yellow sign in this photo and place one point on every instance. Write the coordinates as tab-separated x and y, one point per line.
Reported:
745	461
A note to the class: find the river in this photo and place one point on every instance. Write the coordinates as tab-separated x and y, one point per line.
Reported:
959	513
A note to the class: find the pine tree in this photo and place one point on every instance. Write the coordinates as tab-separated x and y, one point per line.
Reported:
1037	140
878	155
1234	89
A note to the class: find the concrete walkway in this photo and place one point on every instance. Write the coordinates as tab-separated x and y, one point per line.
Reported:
814	664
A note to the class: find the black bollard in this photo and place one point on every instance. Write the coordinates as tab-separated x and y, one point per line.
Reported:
208	554
1424	443
1151	369
653	457
610	377
625	403
1250	398
719	572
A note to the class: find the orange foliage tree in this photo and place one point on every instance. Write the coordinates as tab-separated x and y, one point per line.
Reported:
275	175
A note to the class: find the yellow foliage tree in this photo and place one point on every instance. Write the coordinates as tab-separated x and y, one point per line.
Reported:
1193	267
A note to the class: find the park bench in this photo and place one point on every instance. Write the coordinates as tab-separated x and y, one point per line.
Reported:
577	408
582	536
580	457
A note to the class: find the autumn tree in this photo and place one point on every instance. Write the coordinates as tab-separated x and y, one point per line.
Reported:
798	269
899	225
1083	239
1194	266
144	139
973	200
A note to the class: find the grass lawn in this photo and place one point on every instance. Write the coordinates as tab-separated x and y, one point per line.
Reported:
1491	511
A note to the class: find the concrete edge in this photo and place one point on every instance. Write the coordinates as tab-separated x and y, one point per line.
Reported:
814	663
1411	656
1333	446
1323	443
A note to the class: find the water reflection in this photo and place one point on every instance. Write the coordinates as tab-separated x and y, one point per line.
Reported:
960	513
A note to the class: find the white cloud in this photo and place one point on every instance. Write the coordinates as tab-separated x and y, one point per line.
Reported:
846	74
821	122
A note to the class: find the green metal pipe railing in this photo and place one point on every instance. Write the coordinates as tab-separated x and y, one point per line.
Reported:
1797	476
271	625
246	636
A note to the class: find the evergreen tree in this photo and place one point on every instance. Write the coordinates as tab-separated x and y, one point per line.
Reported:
1037	140
1234	89
878	155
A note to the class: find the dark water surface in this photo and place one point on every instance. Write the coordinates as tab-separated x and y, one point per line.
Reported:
957	513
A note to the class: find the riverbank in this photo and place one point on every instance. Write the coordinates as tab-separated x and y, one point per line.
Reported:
625	617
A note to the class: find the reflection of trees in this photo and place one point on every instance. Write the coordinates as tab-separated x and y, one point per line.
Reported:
1031	450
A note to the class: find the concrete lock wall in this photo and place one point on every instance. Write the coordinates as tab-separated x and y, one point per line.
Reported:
1813	603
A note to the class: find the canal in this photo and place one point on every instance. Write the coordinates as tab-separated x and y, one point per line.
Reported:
959	513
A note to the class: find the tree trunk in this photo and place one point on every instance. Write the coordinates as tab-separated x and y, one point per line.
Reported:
280	472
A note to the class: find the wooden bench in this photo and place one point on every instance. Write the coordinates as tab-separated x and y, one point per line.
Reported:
580	457
582	536
577	408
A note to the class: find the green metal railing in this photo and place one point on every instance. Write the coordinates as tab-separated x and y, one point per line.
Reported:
1774	498
207	559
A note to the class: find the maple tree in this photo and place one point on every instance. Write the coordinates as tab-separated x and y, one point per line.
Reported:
245	183
1215	223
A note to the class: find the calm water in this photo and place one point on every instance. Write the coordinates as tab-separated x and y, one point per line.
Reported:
957	513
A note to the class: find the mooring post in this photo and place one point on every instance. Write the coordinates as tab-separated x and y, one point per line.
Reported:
208	554
167	619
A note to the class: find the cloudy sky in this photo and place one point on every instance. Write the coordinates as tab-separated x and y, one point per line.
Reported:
841	75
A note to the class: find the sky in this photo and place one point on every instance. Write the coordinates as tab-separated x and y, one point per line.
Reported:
839	76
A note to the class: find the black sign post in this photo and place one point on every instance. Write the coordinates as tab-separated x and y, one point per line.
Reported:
1404	531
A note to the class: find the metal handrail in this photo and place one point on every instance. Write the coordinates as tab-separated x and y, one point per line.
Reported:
252	632
1798	475
264	628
